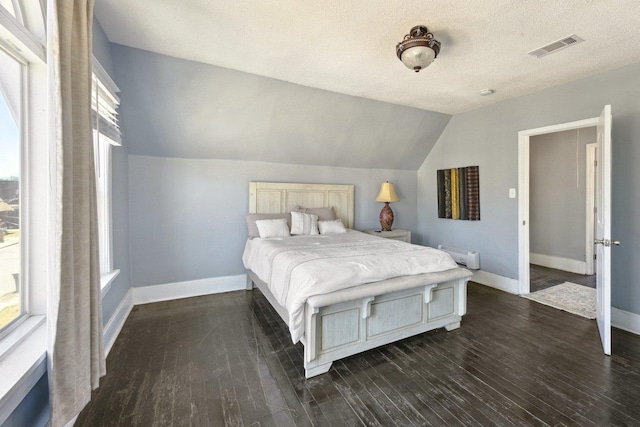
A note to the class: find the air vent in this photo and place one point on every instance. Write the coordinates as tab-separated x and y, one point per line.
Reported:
556	46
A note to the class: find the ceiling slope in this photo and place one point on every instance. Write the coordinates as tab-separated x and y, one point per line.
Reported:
172	107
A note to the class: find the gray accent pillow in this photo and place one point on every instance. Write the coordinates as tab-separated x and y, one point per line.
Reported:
324	214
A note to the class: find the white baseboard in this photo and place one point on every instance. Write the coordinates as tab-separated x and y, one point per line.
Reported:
495	281
625	320
192	288
564	264
116	322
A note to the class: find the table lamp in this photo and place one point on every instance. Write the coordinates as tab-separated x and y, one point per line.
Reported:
387	195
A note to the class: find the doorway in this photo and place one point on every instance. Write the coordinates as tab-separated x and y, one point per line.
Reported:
524	141
602	240
561	193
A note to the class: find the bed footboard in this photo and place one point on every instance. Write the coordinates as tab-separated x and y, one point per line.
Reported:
342	329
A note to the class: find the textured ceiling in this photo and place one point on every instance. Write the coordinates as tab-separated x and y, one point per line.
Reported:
348	46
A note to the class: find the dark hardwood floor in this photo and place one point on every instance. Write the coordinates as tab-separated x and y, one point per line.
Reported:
227	359
544	277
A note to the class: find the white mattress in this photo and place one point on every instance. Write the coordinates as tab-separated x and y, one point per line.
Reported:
296	268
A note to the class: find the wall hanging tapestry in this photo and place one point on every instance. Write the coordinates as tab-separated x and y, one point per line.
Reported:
459	193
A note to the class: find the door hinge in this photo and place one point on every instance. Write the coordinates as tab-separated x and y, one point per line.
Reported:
595	163
595	256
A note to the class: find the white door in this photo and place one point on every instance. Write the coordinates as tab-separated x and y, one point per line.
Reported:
603	228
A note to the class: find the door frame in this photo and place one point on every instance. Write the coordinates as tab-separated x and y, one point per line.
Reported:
524	137
590	187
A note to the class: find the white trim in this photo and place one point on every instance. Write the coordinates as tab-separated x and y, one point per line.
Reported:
590	196
13	33
523	190
523	213
559	263
105	78
116	322
40	198
103	176
106	280
192	288
19	334
496	281
625	320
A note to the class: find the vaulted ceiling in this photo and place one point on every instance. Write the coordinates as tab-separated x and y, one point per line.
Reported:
348	46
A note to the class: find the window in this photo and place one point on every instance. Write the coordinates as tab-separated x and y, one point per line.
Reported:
106	134
27	181
12	305
24	165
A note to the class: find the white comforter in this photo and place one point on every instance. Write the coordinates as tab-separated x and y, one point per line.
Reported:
296	268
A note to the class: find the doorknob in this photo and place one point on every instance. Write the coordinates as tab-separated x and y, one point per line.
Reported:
606	242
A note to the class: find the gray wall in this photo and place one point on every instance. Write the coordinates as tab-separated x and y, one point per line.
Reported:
198	134
488	137
102	47
177	108
188	215
557	193
33	411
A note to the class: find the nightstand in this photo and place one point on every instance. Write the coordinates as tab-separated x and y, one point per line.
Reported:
395	234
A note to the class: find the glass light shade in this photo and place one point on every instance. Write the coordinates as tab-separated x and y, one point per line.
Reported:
418	57
387	193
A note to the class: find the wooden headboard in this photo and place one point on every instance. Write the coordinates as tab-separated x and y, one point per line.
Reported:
282	197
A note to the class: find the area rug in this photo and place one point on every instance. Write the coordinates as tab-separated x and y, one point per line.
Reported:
576	299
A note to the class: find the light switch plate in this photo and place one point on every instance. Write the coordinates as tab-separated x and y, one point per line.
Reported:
512	193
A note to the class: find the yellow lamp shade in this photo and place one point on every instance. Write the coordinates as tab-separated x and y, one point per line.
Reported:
387	193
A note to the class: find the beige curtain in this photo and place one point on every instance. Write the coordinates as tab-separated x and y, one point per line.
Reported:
76	354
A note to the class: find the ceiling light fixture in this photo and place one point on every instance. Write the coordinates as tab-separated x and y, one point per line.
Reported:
418	49
486	92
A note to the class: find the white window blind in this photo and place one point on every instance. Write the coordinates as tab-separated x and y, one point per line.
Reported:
104	106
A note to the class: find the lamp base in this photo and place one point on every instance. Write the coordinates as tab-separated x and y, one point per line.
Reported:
386	217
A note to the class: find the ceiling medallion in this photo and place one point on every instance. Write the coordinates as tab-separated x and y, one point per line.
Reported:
418	49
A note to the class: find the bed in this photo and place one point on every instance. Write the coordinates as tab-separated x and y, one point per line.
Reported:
353	318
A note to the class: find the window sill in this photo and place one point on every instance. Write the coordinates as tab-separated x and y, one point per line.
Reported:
106	280
22	364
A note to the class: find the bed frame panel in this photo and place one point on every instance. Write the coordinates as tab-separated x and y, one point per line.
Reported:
343	323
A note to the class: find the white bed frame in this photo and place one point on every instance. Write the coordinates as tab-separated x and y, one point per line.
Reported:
352	320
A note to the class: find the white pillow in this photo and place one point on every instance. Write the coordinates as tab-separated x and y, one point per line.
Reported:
273	228
252	228
304	223
331	227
